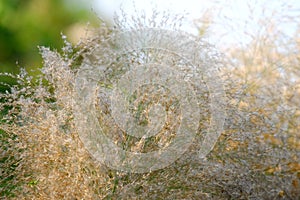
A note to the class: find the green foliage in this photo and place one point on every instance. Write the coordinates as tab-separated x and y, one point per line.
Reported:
26	24
8	165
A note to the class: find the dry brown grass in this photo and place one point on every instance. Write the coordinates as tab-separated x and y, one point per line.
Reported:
256	157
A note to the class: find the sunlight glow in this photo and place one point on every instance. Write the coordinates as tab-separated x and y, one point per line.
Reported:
228	20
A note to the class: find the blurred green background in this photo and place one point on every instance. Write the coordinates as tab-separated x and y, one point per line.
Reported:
27	24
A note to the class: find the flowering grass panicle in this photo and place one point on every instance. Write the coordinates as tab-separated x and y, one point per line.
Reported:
168	88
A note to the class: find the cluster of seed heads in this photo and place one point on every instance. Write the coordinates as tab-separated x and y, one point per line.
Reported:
146	97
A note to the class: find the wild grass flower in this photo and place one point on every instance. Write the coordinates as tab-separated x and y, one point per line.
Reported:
256	156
